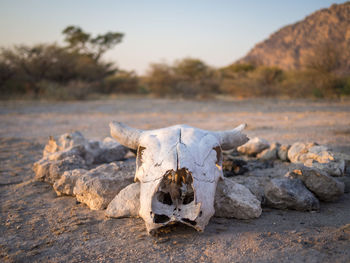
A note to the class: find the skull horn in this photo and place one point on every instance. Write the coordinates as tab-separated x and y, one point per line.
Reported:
232	138
125	135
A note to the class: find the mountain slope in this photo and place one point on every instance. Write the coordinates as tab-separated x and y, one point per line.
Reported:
289	47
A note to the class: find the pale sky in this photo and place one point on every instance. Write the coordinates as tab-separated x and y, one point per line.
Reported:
218	31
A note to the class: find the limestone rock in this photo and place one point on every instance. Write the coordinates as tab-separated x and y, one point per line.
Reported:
126	203
333	168
111	151
77	150
91	151
99	186
65	185
253	146
50	171
282	152
316	156
235	200
325	187
297	152
63	142
284	193
269	153
106	151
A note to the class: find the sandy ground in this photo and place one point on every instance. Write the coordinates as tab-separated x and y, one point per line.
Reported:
38	226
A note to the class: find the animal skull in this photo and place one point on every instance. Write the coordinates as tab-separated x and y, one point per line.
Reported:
178	169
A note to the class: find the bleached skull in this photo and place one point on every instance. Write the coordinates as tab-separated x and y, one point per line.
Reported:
178	169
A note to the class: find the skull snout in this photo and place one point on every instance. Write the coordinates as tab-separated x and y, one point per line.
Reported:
175	198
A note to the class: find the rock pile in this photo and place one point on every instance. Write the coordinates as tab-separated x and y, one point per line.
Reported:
294	176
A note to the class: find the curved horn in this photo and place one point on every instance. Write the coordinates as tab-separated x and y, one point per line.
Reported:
232	138
125	135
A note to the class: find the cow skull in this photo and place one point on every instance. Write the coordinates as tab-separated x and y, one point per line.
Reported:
178	169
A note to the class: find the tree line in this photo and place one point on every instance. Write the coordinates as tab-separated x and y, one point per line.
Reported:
76	70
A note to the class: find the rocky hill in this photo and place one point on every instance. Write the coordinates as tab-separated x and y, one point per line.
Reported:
289	47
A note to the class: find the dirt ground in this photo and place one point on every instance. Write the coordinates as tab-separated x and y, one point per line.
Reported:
38	226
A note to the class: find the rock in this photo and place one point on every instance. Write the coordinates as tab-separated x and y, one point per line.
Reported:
65	185
325	187
111	151
253	146
316	156
346	181
93	150
50	171
106	151
63	142
320	154
234	166
282	152
297	152
270	153
333	168
126	203
90	150
346	159
235	200
285	193
77	150
255	184
99	186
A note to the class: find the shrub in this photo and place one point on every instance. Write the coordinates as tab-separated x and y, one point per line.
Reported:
187	77
160	79
122	82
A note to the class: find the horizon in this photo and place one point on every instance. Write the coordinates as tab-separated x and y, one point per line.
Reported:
216	33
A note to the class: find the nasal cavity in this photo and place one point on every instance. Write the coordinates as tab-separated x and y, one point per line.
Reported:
159	219
176	188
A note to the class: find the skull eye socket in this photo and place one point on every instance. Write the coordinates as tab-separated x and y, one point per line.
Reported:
140	150
218	155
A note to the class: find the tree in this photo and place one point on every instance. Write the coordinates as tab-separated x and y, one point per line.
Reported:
195	77
83	43
323	58
160	79
323	65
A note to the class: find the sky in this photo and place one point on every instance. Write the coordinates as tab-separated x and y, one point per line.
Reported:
217	31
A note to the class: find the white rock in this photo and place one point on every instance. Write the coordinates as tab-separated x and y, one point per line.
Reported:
99	186
253	146
316	156
77	150
65	185
282	152
126	203
269	153
111	151
235	200
51	171
63	142
297	152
